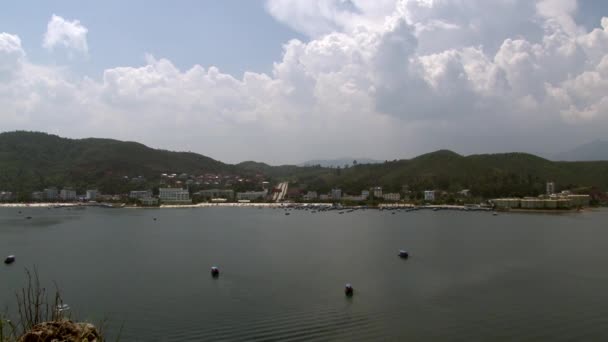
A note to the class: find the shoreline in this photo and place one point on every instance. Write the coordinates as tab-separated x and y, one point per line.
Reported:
385	206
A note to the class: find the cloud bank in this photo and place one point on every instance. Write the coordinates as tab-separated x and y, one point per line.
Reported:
385	79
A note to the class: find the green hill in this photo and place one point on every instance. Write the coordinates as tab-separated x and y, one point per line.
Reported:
488	175
32	161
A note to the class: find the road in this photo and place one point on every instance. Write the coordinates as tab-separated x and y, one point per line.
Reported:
279	196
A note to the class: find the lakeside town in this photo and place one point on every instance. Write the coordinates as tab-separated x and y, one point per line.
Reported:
183	190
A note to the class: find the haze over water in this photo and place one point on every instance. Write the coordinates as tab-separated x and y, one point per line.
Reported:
471	276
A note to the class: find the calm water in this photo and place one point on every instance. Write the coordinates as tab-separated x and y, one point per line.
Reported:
472	276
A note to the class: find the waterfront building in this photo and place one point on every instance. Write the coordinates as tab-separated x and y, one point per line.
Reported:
353	198
377	191
227	194
324	197
67	195
578	201
91	195
336	194
6	196
251	195
550	188
38	196
365	194
507	203
139	194
392	197
174	195
311	196
429	195
51	194
149	201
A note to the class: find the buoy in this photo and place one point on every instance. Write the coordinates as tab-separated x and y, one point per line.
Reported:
155	219
348	290
9	259
403	254
215	272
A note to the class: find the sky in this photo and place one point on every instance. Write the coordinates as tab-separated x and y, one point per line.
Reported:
285	81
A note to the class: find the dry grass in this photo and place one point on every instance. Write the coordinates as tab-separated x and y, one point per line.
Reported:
40	319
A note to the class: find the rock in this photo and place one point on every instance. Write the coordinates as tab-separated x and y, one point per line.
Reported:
63	330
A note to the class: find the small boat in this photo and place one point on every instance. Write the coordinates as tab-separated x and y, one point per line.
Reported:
28	218
348	290
215	272
287	214
403	254
495	214
9	259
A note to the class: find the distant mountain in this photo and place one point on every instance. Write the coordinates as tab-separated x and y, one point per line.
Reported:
593	151
339	162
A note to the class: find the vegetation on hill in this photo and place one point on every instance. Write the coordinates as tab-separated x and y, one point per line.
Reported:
32	161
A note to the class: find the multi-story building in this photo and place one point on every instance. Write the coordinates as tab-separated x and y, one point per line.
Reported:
251	195
429	195
216	193
392	197
550	188
67	195
311	196
139	194
336	194
175	195
51	194
91	195
149	201
377	191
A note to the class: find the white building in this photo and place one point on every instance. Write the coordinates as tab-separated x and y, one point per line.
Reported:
174	195
377	191
550	188
392	197
6	196
336	194
429	195
67	195
91	195
210	194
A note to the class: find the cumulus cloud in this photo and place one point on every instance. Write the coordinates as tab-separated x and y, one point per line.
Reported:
385	79
71	35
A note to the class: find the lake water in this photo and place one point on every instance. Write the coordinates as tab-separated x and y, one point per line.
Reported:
471	276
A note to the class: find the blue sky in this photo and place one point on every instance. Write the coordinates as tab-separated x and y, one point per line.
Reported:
234	35
283	81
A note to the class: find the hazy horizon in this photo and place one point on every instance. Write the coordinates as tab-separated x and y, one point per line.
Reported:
287	81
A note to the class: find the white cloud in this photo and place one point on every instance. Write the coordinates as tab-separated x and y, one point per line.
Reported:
384	79
71	35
